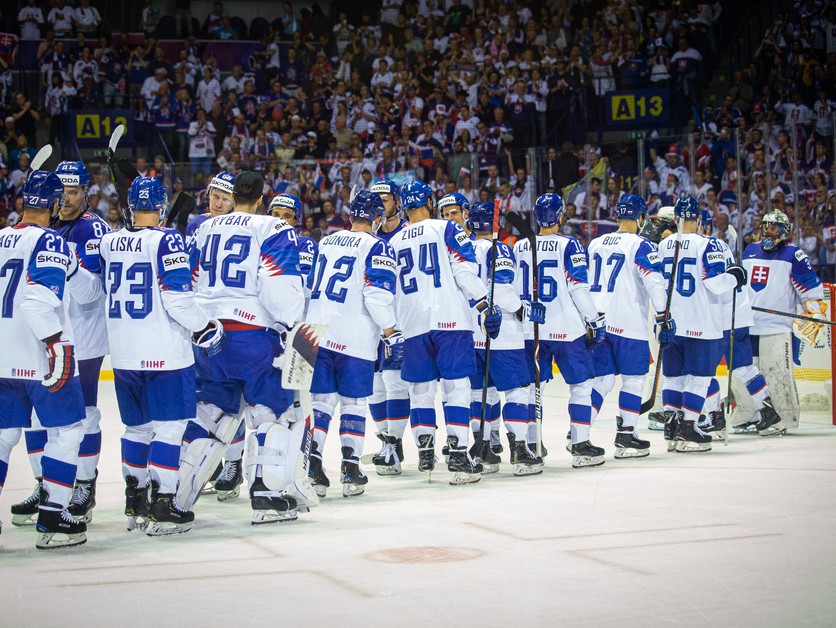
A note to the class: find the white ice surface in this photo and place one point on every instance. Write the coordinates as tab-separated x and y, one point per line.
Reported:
742	536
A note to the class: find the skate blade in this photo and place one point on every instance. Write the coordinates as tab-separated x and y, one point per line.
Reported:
353	490
771	431
671	445
745	429
579	462
388	471
265	517
630	452
367	458
22	521
137	523
57	540
165	528
225	496
459	478
320	490
687	447
487	468
524	469
86	517
655	426
568	446
208	489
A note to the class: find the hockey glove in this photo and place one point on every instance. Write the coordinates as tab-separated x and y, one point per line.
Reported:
665	329
393	350
61	356
490	318
596	331
73	268
210	338
532	311
739	273
807	329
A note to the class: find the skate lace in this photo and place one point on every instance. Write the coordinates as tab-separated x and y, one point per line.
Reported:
80	493
229	471
66	516
388	452
495	439
34	498
698	429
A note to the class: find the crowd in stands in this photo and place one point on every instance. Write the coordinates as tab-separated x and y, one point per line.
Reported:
453	92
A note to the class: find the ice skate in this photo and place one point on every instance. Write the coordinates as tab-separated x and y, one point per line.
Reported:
524	461
167	518
586	454
26	512
270	506
569	441
388	460
426	455
656	421
747	427
319	480
351	475
496	443
461	465
228	483
57	528
629	445
715	424
672	421
482	452
84	499
136	504
691	439
770	423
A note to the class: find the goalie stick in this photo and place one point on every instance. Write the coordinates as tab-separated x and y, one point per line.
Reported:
800	317
648	405
517	222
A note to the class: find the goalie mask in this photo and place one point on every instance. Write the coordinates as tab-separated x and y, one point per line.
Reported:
775	229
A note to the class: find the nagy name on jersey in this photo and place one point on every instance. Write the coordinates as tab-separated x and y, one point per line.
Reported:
9	241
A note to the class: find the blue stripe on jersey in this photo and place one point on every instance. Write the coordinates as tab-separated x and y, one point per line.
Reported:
458	244
173	263
504	274
575	262
643	253
802	275
379	272
307	251
280	255
713	267
49	262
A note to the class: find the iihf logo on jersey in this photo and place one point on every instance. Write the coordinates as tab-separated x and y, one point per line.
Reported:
760	275
151	364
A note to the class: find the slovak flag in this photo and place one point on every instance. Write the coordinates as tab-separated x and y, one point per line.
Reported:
319	178
760	275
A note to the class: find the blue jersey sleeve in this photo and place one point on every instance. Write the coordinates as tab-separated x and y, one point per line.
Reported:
505	264
87	233
174	270
647	258
381	267
280	254
802	275
713	259
49	263
307	252
459	246
575	262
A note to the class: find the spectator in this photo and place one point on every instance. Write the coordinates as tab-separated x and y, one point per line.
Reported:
30	20
60	19
201	146
208	90
86	19
150	17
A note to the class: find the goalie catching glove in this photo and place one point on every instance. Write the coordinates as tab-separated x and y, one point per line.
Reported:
596	331
532	311
665	329
490	318
210	338
807	329
61	356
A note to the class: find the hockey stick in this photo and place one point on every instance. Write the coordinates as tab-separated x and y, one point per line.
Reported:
40	157
316	234
648	405
494	238
175	209
111	160
729	394
517	222
800	317
127	170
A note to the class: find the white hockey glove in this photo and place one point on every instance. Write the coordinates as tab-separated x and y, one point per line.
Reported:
807	329
533	311
210	338
61	356
73	268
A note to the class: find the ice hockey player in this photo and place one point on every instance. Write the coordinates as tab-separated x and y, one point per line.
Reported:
573	324
781	278
38	362
701	280
627	276
288	207
247	269
437	275
508	371
353	279
218	200
82	230
456	207
389	403
152	317
747	382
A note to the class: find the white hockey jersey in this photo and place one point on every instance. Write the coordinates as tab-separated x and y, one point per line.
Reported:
626	273
33	274
437	275
562	285
353	292
151	309
780	280
743	304
505	295
699	285
246	269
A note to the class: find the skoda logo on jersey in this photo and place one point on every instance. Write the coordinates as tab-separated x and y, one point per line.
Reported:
760	275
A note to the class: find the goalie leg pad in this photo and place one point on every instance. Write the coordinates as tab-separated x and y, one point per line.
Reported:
776	364
283	455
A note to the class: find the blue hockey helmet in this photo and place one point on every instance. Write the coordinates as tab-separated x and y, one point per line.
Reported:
455	199
223	181
415	194
548	209
630	207
73	173
687	208
387	186
290	201
706	220
481	217
775	218
146	194
42	190
366	206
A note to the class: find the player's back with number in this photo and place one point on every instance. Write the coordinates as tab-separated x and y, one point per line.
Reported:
247	269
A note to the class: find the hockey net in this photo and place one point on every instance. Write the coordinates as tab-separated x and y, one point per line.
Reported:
814	378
